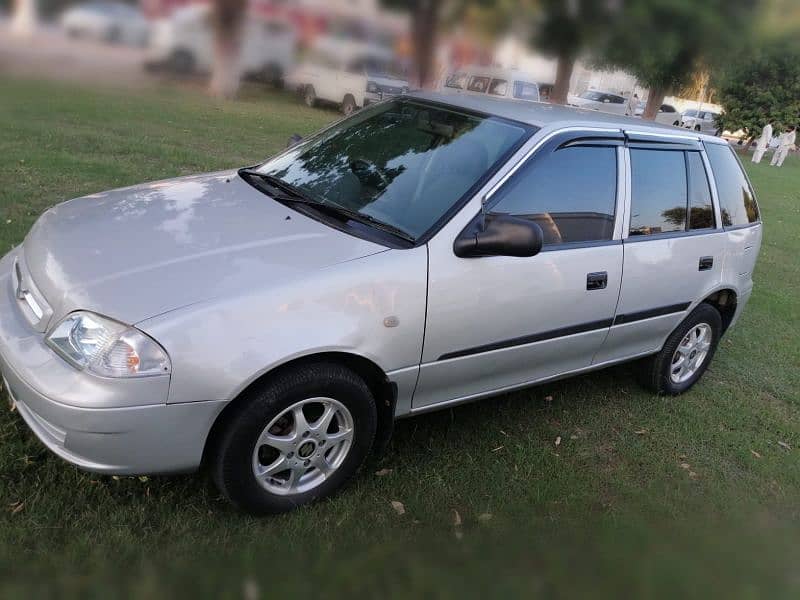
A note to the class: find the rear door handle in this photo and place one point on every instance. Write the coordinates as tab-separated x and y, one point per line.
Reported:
706	263
597	281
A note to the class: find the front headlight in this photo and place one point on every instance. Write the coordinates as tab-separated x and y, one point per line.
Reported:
107	348
373	88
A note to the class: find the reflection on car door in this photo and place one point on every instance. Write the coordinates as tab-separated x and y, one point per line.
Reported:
674	247
498	322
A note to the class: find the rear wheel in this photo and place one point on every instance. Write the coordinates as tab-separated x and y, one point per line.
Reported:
310	96
349	105
182	62
299	438
686	353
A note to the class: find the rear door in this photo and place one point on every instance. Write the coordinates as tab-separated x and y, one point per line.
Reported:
674	246
498	322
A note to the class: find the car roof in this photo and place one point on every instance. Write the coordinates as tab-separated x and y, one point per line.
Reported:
541	114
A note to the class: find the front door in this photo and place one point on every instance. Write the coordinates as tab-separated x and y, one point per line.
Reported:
498	322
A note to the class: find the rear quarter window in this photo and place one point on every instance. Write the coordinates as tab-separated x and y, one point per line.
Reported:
736	199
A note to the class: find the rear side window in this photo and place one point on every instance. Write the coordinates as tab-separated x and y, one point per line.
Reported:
658	192
615	99
478	84
736	201
499	87
570	193
526	91
701	209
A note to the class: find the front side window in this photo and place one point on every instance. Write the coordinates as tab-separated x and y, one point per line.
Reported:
571	194
478	84
658	192
526	91
736	200
594	96
498	87
404	163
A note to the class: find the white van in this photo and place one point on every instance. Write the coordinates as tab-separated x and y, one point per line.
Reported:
184	44
497	83
350	74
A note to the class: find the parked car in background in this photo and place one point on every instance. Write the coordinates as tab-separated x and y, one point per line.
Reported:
113	22
667	114
704	121
273	322
183	43
600	100
497	83
348	74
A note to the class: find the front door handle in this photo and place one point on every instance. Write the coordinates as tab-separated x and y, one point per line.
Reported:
597	281
706	263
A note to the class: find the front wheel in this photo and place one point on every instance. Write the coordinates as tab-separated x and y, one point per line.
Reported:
686	353
297	439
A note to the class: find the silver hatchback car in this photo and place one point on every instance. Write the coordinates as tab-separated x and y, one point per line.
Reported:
271	323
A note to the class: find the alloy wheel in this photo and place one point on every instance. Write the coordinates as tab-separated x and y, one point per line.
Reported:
691	353
303	446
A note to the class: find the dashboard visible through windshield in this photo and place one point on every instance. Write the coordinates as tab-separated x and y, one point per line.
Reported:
404	163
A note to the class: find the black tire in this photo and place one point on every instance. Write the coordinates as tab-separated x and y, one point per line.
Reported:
232	467
310	96
676	124
349	105
272	74
655	372
182	62
114	35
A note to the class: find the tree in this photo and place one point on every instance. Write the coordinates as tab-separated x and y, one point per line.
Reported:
664	42
761	87
566	29
228	19
24	17
425	23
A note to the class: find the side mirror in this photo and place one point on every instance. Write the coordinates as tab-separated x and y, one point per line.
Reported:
499	235
294	140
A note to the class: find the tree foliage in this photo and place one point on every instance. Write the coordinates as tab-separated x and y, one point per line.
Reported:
567	29
760	87
664	42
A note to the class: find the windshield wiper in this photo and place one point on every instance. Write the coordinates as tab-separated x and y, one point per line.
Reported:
291	193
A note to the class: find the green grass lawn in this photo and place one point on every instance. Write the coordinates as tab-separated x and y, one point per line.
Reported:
644	496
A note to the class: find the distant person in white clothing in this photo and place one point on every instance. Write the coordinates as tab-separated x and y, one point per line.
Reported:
763	143
787	141
633	106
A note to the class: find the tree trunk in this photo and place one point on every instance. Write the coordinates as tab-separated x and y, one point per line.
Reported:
654	102
566	65
228	18
25	17
425	24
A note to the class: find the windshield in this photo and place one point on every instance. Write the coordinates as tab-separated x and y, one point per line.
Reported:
404	163
386	69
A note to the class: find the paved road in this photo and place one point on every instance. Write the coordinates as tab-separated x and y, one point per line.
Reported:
50	54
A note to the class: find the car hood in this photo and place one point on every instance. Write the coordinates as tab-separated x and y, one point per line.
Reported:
138	252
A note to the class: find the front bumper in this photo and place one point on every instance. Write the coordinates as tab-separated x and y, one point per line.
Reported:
115	426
